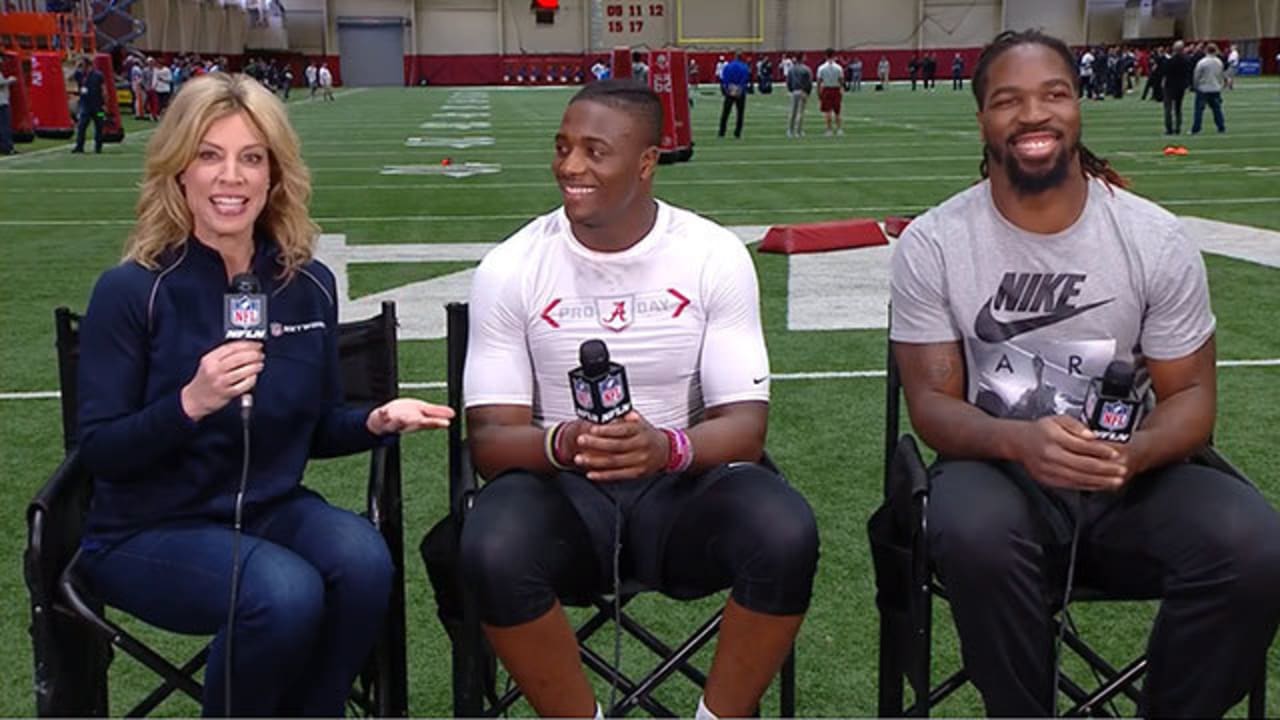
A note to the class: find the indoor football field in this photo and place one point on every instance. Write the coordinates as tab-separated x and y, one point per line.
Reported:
411	186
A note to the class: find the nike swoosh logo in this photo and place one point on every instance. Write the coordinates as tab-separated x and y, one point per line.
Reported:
991	330
759	380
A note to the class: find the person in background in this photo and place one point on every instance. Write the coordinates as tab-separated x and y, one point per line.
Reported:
800	85
1176	77
1208	80
830	93
92	106
162	80
1156	60
639	69
6	116
882	72
957	72
312	74
150	81
224	192
325	78
137	87
1233	65
734	77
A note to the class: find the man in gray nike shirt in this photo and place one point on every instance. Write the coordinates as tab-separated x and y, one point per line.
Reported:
1007	299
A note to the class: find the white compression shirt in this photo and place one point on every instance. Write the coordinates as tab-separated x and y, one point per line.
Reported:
680	310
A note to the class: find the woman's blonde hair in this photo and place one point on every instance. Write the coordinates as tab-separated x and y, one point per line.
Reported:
164	220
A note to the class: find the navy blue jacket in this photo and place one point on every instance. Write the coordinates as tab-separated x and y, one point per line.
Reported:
92	90
141	341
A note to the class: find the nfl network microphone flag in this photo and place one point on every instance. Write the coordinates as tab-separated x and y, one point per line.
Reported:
1109	408
600	390
244	309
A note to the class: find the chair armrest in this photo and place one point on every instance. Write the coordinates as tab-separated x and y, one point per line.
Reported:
908	463
463	481
1211	457
65	492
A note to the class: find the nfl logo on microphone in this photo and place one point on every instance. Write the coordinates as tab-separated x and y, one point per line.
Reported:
246	312
582	393
1115	416
611	391
246	318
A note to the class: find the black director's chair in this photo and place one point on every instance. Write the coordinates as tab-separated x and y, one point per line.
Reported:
474	667
906	586
73	639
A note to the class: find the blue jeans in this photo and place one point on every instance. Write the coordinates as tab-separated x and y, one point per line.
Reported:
82	124
315	582
1214	101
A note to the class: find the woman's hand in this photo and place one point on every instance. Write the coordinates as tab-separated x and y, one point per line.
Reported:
404	415
225	372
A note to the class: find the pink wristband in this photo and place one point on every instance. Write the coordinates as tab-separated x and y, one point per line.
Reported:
680	451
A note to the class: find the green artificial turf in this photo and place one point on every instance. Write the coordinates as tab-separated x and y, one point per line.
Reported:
64	218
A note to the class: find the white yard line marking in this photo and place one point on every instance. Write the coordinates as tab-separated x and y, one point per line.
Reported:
779	377
319	169
661	183
846	210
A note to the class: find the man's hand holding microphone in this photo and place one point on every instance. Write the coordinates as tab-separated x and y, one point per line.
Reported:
1090	453
611	441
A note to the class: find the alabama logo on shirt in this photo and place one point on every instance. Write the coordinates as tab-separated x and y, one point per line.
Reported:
615	312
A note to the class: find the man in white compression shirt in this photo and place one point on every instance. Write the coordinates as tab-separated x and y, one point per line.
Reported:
674	296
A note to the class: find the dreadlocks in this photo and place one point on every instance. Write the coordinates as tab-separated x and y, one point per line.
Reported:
1090	164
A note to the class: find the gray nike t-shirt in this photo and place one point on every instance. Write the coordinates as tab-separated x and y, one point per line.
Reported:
1040	315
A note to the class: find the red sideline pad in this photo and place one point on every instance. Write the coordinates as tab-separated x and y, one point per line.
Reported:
895	225
823	236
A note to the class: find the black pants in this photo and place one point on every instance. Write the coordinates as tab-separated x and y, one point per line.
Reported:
957	82
1173	112
1153	89
529	540
1205	542
6	131
83	123
740	104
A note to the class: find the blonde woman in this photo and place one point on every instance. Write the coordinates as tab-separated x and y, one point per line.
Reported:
225	192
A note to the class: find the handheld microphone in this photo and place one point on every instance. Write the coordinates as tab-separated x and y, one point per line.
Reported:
600	389
244	317
601	394
1109	408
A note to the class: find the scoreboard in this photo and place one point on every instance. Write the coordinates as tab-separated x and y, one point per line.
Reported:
636	23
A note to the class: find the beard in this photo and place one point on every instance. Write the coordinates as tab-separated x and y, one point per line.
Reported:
1032	182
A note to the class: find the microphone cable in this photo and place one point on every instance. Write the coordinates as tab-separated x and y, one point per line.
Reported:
246	408
1066	599
617	602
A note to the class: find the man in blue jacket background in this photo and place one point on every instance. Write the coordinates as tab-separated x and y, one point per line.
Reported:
733	85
